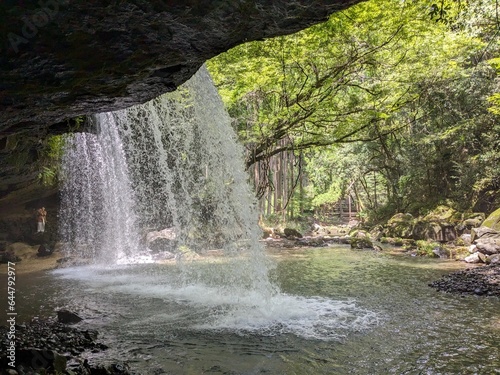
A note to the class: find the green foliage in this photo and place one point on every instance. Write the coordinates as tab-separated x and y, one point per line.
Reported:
426	248
393	102
49	160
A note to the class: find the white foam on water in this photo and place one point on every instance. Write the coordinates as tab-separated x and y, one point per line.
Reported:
201	307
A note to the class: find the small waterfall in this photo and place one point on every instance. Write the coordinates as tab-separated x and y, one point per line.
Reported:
171	164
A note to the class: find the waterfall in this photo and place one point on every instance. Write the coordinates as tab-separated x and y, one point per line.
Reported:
172	164
97	212
173	168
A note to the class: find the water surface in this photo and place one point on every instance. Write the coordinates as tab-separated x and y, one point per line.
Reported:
339	312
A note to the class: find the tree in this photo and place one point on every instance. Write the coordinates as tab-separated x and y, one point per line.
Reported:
386	89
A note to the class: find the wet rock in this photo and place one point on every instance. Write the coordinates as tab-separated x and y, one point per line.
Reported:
68	317
311	242
9	256
361	243
49	347
267	232
360	239
161	240
439	252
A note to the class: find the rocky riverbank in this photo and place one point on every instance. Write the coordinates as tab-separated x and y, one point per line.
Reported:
482	281
52	347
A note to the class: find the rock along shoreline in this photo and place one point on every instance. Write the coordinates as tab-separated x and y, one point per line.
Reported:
480	281
48	346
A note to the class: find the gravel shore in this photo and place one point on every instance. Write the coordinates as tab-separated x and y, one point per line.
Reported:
481	281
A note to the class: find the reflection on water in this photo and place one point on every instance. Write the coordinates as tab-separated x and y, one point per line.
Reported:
341	312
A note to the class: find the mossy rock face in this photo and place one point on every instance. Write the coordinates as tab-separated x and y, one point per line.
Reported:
443	214
493	221
400	225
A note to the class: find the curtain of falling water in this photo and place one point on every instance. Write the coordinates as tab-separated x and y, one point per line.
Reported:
98	220
179	166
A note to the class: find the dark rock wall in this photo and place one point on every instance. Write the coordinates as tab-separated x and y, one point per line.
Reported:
63	58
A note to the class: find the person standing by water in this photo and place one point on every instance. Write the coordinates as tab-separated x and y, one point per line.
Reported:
41	214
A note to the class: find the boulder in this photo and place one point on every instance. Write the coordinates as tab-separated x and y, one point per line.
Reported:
438	225
482	233
167	233
486	240
473	258
483	258
489	247
360	240
311	242
9	256
161	240
443	214
466	238
472	220
434	231
361	243
44	250
440	252
377	232
267	232
493	220
400	225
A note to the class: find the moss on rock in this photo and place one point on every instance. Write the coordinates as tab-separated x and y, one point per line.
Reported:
493	221
400	225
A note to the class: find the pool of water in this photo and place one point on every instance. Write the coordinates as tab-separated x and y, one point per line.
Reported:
338	311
